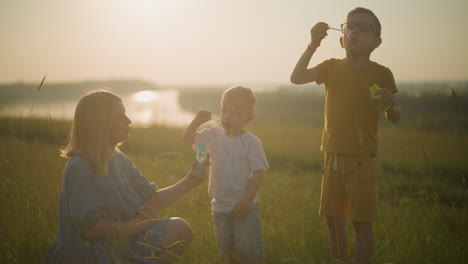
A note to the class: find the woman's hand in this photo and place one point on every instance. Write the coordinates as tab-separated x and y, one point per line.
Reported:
196	177
146	213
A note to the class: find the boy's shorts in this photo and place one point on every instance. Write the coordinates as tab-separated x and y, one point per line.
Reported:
239	238
350	186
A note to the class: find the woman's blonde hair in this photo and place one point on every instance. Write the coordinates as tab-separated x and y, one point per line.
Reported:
89	134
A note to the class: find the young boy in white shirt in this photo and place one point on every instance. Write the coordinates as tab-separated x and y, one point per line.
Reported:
238	162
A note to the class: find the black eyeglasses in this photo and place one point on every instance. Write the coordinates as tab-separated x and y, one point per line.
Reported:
359	27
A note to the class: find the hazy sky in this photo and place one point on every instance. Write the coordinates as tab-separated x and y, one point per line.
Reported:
196	42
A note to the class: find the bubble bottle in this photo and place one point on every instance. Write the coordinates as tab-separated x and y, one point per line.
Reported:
201	156
376	96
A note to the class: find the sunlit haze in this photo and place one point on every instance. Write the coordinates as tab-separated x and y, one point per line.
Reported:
203	42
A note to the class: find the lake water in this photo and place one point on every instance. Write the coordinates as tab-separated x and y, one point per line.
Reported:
143	107
147	104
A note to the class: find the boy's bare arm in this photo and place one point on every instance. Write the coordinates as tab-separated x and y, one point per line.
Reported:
254	184
189	133
241	209
301	74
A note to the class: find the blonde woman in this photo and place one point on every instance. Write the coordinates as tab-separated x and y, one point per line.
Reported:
107	207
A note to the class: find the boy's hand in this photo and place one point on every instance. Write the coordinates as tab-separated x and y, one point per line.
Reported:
202	116
317	33
241	210
189	133
387	97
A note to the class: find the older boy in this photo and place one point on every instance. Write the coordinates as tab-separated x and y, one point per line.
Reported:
349	141
237	165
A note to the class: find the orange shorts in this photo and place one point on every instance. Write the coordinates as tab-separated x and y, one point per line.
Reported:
350	186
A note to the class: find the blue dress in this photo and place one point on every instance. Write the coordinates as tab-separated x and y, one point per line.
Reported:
87	199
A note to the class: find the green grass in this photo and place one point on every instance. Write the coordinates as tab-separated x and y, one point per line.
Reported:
423	206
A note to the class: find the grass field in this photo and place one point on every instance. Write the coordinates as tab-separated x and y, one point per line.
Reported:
423	205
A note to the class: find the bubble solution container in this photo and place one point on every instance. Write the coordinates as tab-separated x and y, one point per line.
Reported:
201	156
376	96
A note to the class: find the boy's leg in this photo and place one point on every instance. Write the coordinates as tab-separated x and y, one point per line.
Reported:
364	242
363	187
338	238
248	237
223	227
333	205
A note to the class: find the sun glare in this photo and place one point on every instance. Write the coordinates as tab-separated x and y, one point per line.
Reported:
145	96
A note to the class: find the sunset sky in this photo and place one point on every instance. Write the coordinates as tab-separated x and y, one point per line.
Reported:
198	42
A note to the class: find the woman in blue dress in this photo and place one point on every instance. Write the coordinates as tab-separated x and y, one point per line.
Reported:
107	207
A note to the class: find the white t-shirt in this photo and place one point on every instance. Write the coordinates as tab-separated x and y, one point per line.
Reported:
232	162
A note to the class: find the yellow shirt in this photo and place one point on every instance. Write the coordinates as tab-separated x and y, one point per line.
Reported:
351	118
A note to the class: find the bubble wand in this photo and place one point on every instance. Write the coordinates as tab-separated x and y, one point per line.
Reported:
347	31
337	29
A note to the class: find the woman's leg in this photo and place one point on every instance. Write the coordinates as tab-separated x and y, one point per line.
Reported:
177	237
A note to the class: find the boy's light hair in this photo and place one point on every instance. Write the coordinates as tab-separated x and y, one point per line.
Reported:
377	26
239	95
89	134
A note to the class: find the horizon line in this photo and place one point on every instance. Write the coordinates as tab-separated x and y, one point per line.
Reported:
57	82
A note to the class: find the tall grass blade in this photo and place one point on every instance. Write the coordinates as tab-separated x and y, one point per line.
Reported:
456	100
53	126
35	96
425	157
